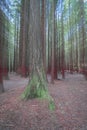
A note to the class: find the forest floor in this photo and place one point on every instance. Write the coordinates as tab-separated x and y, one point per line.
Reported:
70	97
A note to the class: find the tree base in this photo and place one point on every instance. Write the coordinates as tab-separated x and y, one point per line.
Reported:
37	87
6	77
1	88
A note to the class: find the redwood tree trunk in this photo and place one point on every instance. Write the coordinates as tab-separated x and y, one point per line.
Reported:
52	67
1	71
63	50
1	64
23	66
37	79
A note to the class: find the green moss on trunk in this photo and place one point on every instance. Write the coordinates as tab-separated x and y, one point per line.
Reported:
37	86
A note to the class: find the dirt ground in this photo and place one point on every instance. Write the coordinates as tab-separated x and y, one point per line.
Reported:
70	97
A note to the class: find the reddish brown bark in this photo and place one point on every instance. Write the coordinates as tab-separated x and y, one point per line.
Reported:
22	44
52	61
1	52
5	73
23	71
23	68
1	80
1	72
55	65
63	49
71	51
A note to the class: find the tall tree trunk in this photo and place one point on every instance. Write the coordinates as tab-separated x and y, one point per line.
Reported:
1	68
52	66
43	33
1	56
55	46
83	33
16	41
63	51
76	37
49	42
23	66
5	50
37	80
21	36
71	55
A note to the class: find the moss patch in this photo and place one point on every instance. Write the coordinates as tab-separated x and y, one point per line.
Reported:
37	88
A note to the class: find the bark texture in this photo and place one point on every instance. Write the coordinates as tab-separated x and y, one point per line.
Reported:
37	81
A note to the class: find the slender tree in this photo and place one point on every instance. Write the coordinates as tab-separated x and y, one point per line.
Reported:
52	67
1	51
63	50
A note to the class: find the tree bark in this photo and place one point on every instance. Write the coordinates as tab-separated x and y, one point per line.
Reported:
37	80
63	49
1	56
52	67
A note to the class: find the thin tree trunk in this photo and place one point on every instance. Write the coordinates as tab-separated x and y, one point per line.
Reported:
23	68
71	55
63	51
43	33
1	52
52	67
